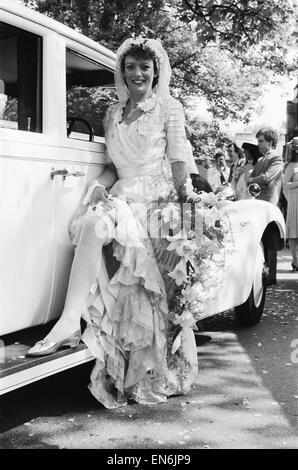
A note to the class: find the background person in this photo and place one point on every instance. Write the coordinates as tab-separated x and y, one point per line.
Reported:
218	174
237	168
252	154
290	189
267	173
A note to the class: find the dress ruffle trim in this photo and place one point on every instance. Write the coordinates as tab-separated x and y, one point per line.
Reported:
128	335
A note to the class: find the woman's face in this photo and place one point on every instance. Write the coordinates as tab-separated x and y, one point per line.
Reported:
232	154
248	156
138	75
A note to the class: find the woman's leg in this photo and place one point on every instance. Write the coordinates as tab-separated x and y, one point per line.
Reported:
83	274
293	242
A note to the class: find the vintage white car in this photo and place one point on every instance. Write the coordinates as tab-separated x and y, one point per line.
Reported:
50	149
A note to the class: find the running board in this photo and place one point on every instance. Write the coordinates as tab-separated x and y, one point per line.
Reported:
18	370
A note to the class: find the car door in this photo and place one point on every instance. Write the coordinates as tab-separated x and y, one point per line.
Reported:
29	148
88	87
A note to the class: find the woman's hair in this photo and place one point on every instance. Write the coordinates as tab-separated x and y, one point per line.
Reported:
253	151
269	134
218	155
138	52
236	149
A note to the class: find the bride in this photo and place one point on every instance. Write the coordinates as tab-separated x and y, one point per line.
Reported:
127	315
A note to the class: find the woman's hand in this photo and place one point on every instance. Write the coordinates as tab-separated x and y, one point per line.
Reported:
193	197
99	194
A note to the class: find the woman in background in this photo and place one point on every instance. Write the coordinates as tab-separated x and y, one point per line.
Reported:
290	189
252	154
237	170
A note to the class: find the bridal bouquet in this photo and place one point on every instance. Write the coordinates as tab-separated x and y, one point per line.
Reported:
196	238
192	242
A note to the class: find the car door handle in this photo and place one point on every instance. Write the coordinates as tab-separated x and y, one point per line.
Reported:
64	173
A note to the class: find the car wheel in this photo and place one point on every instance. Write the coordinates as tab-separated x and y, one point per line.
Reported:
250	312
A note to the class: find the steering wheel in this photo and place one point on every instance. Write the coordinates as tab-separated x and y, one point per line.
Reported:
71	122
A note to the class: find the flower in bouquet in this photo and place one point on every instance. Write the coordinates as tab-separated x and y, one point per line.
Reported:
179	273
182	243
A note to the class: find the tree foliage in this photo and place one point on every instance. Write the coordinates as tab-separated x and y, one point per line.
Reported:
237	25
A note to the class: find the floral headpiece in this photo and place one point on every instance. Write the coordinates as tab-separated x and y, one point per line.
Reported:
163	65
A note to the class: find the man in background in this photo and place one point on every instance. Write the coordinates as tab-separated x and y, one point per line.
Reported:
267	173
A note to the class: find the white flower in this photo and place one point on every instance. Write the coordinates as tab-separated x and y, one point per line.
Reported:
179	273
193	292
198	307
171	213
209	199
185	248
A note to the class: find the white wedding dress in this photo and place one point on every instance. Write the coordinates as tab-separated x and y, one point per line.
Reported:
126	316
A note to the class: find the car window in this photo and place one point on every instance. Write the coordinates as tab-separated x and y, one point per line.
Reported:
89	90
20	79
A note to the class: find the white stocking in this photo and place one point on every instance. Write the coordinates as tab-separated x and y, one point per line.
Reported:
84	269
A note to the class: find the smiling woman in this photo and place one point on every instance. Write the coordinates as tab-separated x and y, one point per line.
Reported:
140	76
127	315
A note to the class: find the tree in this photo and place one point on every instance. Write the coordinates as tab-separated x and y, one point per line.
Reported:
239	25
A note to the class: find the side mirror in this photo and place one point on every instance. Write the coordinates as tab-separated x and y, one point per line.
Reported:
254	190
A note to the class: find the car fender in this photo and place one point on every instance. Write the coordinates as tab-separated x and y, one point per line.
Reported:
252	224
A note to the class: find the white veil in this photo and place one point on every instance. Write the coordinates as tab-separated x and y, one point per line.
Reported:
163	65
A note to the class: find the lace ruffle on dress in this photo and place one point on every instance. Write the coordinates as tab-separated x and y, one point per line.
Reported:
127	315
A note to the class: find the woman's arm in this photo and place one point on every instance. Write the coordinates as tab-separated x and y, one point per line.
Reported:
180	175
292	184
98	188
288	182
177	149
108	177
288	174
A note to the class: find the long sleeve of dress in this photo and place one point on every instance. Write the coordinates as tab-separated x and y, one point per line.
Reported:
177	146
288	183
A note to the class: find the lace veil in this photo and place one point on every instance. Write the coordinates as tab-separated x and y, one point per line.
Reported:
163	65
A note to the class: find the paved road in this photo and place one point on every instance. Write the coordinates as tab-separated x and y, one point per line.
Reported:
246	394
